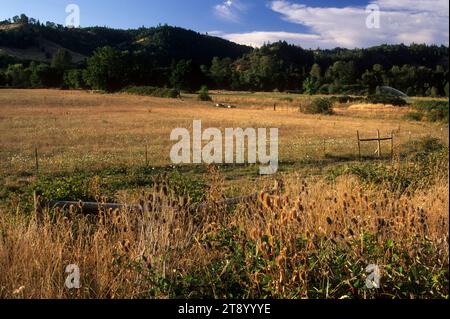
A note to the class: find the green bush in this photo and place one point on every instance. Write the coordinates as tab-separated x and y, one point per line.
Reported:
432	110
414	116
203	94
318	106
423	147
71	188
152	91
386	99
425	159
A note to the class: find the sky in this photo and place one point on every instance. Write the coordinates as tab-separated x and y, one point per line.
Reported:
308	23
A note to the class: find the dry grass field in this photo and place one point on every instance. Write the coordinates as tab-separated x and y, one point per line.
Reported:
313	238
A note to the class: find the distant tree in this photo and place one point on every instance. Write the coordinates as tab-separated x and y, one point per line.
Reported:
180	76
51	25
342	73
73	79
446	89
316	72
43	75
62	60
221	72
203	94
312	84
434	92
18	76
373	78
106	70
2	78
23	19
309	86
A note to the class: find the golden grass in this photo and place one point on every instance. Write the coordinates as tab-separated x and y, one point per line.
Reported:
313	239
297	238
80	129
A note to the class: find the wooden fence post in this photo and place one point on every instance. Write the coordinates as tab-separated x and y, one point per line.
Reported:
378	139
359	144
379	143
146	155
392	145
36	161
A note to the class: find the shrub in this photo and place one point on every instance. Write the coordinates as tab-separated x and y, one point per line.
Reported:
386	99
73	188
152	91
203	94
414	116
432	111
423	147
424	160
317	106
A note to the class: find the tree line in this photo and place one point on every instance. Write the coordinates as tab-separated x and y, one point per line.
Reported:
164	57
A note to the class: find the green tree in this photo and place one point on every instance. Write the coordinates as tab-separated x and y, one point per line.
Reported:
62	60
373	78
221	72
43	75
203	94
316	72
309	86
180	76
24	19
73	79
3	81
106	70
18	76
434	92
342	73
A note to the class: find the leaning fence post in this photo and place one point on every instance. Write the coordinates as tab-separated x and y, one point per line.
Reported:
379	143
36	161
392	145
359	144
146	155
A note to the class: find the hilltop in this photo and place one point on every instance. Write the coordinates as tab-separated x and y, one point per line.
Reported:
39	42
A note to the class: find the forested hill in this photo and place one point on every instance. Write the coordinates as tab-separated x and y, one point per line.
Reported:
164	42
33	54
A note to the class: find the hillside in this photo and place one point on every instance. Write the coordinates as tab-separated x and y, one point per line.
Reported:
39	42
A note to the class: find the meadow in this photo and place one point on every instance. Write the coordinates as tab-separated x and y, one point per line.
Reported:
331	215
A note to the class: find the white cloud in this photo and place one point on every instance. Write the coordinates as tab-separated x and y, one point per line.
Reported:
259	38
401	21
404	21
229	10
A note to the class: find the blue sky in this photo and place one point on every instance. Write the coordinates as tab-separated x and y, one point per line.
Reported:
310	23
